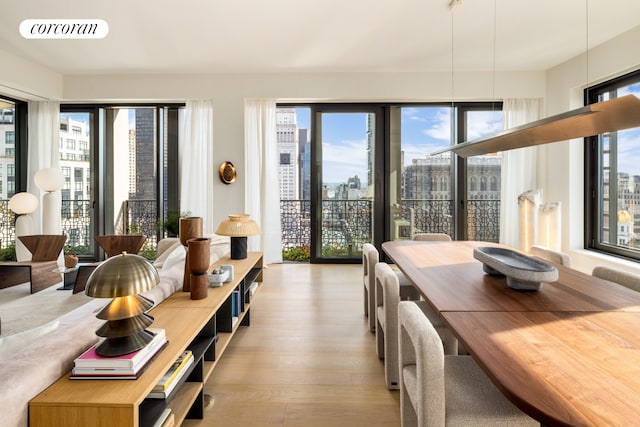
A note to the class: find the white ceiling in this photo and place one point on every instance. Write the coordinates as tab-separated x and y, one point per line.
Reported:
231	36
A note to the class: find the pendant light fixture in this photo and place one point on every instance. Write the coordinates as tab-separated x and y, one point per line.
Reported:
594	119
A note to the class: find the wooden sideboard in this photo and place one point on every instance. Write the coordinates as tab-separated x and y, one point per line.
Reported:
205	326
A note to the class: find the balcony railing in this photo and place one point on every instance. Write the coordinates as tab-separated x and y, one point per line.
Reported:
135	216
346	224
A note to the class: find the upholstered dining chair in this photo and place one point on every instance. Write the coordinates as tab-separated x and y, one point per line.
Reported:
438	390
387	299
370	257
550	255
628	280
442	237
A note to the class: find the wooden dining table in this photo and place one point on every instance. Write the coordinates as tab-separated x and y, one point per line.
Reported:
566	354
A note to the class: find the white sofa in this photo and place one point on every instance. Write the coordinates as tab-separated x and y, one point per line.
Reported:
47	352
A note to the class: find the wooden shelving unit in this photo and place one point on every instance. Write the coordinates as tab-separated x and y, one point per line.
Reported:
192	324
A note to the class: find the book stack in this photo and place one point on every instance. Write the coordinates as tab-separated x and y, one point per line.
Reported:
172	377
166	419
90	366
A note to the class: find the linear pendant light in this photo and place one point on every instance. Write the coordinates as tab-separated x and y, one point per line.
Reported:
607	116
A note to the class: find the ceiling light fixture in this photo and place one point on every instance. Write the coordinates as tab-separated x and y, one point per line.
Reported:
454	3
594	119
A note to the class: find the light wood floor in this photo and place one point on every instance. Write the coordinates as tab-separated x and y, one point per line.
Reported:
308	358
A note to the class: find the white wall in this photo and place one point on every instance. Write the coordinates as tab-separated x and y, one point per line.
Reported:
229	92
563	163
26	80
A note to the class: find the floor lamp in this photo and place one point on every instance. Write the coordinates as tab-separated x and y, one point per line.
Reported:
50	180
23	204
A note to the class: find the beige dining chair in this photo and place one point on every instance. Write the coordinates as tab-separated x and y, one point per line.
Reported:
550	255
628	280
442	237
370	257
438	390
388	297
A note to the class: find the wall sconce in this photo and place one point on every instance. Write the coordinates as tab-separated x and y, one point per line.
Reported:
238	226
23	204
122	278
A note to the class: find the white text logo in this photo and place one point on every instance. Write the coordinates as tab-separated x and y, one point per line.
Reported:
64	29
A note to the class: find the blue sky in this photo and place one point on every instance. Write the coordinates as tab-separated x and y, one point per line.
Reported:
629	141
424	130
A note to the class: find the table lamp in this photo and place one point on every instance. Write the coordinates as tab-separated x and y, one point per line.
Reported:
50	180
122	278
238	227
23	204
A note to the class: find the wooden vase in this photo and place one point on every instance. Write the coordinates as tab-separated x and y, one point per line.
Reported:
199	252
70	260
190	228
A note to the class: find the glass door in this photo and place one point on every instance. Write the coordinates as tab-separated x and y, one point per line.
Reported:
76	143
345	184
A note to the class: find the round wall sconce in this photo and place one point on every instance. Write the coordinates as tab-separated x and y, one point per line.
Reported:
227	173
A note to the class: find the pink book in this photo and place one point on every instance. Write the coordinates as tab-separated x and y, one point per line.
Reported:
90	359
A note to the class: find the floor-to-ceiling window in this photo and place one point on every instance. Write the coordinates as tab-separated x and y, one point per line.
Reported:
13	138
442	193
76	145
120	169
373	164
612	179
345	181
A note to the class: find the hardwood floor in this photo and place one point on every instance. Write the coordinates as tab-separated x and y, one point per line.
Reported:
308	358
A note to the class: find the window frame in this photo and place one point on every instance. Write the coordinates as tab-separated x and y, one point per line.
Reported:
593	175
457	181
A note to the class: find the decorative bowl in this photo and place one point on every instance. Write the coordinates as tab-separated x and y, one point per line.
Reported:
523	273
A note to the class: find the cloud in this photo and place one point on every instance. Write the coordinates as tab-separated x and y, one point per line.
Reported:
629	151
483	123
343	160
413	114
441	129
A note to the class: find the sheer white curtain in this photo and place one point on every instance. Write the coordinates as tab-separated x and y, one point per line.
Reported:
43	151
262	192
195	160
518	167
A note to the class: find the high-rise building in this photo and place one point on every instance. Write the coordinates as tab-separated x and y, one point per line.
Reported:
75	159
7	153
305	164
143	153
287	138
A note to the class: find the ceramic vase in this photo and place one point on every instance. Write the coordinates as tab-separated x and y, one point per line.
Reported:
199	265
190	228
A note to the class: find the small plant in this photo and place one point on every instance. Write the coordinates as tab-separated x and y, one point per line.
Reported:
148	253
134	229
78	250
8	253
297	254
171	225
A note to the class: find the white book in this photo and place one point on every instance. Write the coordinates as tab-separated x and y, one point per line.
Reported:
90	359
164	394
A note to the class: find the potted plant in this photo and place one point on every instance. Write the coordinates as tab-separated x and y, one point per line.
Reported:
171	225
